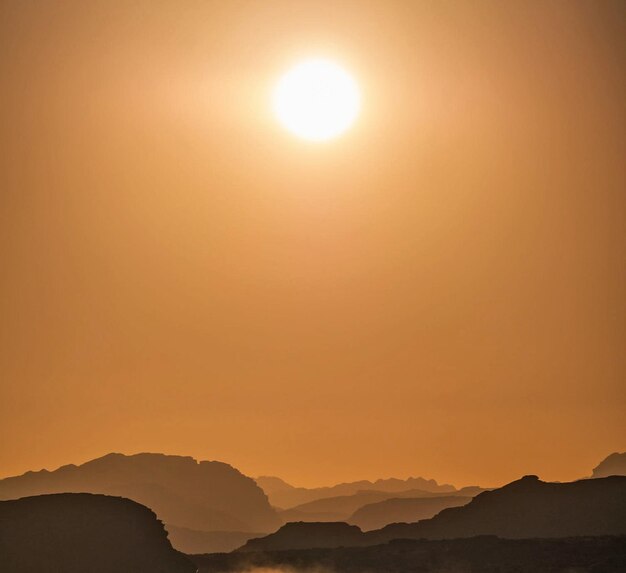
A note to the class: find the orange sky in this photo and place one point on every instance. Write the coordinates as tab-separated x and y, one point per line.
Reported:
440	292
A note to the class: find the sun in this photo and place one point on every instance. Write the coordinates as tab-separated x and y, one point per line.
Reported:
317	100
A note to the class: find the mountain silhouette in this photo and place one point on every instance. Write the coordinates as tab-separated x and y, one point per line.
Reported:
340	508
407	510
285	496
522	509
301	535
613	465
206	496
529	508
75	533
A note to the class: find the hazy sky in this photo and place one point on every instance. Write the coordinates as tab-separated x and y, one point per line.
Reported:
440	292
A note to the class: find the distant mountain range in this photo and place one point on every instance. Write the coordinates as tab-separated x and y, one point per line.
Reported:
195	499
342	508
340	502
212	507
522	509
75	533
285	496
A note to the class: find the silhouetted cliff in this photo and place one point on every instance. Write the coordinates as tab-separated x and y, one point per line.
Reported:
613	465
209	496
301	535
406	510
76	533
522	509
285	496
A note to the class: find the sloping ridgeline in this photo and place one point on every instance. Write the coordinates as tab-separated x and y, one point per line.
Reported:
285	496
613	465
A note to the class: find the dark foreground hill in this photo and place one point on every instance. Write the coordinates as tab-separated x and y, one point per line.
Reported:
285	496
474	555
304	535
613	465
76	533
523	509
206	496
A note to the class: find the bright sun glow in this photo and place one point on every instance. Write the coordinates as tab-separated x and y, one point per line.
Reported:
317	100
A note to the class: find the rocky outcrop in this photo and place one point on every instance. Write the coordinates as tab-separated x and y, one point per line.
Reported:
302	535
75	533
613	465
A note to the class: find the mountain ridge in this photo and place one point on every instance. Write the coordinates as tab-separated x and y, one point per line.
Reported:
524	508
199	495
286	496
